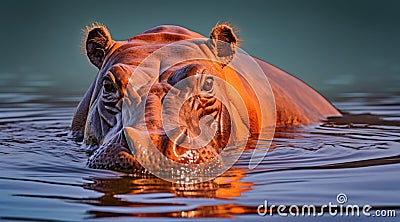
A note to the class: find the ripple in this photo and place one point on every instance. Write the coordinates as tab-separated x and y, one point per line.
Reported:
357	154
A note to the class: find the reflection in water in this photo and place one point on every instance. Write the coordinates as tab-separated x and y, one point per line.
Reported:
227	186
44	173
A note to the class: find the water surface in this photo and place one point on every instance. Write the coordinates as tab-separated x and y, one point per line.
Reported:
44	177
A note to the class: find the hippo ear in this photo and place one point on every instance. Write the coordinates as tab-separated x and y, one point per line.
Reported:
98	41
224	43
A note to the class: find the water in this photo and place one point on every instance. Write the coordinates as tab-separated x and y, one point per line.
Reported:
335	46
44	178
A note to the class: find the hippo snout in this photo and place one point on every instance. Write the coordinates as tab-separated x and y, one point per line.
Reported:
114	156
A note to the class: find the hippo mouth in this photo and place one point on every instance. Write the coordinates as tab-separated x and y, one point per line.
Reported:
134	149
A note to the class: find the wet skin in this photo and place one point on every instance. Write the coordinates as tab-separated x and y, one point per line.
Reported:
98	118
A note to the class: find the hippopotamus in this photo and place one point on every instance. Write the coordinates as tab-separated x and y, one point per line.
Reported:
98	119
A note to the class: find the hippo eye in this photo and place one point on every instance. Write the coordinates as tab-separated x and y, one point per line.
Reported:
108	86
208	84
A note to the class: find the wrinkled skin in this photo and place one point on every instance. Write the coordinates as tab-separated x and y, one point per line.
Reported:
98	117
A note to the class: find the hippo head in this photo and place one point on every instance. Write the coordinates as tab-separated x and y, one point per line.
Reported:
162	88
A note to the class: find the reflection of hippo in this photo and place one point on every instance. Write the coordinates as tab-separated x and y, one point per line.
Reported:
98	118
116	192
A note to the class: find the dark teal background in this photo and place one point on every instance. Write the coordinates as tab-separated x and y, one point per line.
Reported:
335	46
